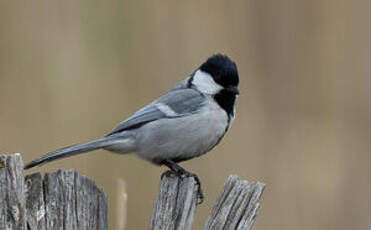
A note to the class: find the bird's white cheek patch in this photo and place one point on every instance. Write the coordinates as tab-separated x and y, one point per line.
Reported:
205	83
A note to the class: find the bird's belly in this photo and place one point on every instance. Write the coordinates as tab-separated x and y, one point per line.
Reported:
181	138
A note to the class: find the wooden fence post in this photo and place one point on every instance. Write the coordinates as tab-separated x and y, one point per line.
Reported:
66	200
236	207
175	203
12	196
62	200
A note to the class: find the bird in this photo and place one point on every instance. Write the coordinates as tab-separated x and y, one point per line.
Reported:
186	122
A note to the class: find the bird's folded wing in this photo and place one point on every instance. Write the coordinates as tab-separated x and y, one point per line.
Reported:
175	103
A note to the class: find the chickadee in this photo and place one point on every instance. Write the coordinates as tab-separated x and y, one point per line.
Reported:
186	122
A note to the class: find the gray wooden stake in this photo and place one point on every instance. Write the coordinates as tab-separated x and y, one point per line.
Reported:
63	200
12	198
237	206
73	202
66	200
35	205
175	203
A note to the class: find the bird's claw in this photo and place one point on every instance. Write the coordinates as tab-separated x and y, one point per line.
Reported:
200	195
167	173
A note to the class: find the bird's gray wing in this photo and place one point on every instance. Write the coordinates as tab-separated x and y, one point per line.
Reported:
175	103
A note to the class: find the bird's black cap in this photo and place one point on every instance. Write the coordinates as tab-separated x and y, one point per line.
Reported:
222	69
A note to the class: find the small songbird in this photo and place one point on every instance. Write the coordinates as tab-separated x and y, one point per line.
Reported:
186	122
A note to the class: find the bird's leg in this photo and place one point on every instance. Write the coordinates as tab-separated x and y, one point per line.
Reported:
182	173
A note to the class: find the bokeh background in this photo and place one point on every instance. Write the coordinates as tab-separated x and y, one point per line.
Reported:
71	70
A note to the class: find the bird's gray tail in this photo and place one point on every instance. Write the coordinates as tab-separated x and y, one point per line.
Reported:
73	150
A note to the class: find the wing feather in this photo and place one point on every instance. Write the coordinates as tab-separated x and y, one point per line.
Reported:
176	103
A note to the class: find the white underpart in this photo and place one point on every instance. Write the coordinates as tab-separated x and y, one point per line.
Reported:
205	83
166	109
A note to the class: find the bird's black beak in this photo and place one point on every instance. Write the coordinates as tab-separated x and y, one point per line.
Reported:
233	89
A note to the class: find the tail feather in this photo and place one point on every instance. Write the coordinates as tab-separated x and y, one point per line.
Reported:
72	150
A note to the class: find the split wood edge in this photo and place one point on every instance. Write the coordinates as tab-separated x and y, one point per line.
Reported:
61	200
66	199
175	204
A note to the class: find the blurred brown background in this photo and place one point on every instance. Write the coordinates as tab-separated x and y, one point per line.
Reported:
71	70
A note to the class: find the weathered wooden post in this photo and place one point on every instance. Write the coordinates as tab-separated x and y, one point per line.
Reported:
175	203
236	207
62	200
12	196
66	200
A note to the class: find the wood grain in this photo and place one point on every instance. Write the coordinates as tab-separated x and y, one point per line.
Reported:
62	200
237	205
66	200
12	196
175	203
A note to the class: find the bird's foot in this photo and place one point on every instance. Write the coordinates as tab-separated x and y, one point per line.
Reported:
180	172
200	195
168	173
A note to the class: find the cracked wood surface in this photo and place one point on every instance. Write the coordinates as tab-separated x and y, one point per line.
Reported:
61	200
66	200
237	206
175	203
12	198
